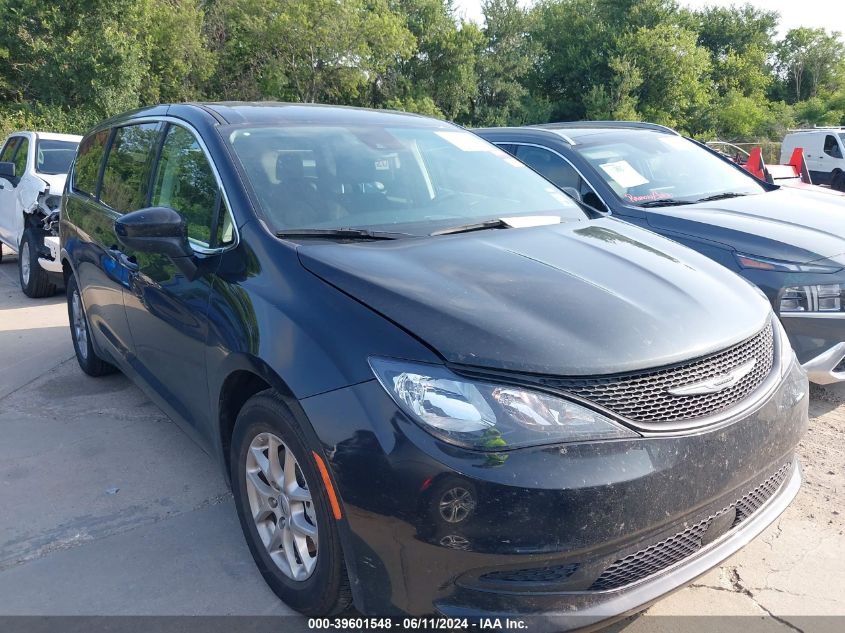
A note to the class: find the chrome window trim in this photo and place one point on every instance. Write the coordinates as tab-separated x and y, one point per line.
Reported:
813	315
202	250
569	162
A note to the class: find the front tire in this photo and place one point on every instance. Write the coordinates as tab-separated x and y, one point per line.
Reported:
86	355
35	282
284	509
838	181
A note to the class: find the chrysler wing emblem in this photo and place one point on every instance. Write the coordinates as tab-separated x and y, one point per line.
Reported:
717	383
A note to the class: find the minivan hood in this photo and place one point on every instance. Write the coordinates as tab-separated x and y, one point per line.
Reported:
580	298
787	224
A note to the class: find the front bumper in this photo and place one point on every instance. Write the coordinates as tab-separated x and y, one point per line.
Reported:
568	611
54	265
557	531
819	343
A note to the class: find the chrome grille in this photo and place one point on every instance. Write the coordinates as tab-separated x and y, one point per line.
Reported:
644	397
661	555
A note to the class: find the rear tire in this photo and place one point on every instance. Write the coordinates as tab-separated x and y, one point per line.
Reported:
837	183
303	566
80	332
35	282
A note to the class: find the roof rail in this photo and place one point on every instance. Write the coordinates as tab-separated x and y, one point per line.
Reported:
817	128
608	124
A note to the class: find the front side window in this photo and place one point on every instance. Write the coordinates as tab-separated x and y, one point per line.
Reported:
54	157
646	168
20	157
9	149
126	174
403	179
831	146
185	182
549	165
86	169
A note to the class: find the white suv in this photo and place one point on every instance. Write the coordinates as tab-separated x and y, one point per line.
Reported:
824	153
33	169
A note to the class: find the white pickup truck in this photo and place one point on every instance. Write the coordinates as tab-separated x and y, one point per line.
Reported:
33	170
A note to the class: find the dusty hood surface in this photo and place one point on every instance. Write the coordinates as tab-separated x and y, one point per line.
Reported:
581	298
788	224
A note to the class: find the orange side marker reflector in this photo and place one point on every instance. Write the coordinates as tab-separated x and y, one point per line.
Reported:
327	482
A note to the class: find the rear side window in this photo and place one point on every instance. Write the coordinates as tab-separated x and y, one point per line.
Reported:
9	149
831	146
185	182
20	157
126	175
86	169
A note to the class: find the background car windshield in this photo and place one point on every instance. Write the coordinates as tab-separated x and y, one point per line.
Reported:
54	157
410	179
642	166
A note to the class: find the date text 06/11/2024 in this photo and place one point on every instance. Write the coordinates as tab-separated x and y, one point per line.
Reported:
421	624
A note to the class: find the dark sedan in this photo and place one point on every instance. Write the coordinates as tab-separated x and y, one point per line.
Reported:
790	243
435	383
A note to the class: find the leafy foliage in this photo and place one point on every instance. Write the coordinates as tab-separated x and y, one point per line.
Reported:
715	71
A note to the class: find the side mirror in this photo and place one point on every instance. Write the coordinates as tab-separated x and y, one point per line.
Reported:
7	170
158	230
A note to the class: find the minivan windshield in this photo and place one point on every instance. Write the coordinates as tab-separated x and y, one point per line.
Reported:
53	156
647	168
405	179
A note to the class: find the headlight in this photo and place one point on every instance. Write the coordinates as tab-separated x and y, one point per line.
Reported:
764	263
787	354
817	298
487	416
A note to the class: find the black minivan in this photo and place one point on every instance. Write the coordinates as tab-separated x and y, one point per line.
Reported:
436	384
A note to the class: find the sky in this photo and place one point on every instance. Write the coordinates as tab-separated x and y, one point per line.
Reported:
829	14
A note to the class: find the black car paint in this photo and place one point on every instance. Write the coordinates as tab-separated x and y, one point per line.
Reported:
779	223
305	318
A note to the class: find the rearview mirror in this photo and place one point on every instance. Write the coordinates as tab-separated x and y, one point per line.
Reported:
7	170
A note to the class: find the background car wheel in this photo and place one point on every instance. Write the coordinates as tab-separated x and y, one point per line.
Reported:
34	280
284	509
86	356
838	182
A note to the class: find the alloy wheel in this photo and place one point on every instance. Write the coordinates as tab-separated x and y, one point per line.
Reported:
24	255
80	329
281	506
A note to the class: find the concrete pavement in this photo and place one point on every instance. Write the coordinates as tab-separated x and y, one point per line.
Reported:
106	507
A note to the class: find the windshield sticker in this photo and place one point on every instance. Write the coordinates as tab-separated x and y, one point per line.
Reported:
654	195
622	172
383	165
468	142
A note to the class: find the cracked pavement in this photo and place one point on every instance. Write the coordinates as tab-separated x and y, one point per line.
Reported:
109	509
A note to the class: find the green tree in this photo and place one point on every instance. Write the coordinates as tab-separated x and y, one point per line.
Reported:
504	64
675	74
810	62
304	50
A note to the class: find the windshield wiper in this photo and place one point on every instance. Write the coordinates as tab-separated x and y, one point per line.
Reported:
666	202
473	226
722	196
342	234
